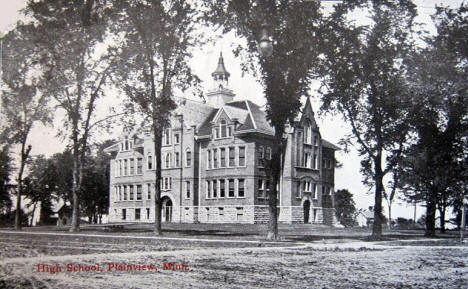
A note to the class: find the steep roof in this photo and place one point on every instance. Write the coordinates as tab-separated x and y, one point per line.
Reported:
329	145
193	112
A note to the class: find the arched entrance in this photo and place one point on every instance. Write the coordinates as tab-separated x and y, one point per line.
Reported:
166	209
306	206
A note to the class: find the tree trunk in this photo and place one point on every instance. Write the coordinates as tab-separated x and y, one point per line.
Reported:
32	214
389	215
442	218
274	174
430	214
24	156
377	225
75	225
157	186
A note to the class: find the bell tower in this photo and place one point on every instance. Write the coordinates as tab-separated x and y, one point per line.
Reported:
220	94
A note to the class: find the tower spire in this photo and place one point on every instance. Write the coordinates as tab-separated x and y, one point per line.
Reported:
220	94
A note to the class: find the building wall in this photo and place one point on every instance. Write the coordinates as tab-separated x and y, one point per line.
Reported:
250	208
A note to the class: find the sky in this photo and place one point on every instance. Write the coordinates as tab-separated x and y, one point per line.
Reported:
332	128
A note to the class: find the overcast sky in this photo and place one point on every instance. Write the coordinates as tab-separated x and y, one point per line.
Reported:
43	140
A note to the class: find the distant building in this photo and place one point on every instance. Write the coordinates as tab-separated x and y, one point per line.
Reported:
213	158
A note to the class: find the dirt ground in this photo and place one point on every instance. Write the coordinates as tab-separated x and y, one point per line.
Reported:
27	261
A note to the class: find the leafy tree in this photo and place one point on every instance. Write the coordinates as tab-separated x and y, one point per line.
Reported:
76	64
95	188
158	37
345	208
22	104
364	80
436	166
297	35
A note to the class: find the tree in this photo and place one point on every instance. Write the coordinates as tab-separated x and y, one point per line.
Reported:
345	207
158	37
364	80
76	65
41	186
436	166
296	34
22	104
95	187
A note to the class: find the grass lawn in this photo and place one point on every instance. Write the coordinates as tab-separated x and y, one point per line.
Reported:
309	257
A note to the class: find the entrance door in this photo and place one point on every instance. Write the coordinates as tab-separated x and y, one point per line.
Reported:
166	210
306	211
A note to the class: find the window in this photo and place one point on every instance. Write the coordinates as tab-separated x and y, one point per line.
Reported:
165	183
215	189
125	193
298	190
316	139
177	159
260	156
139	191
215	158
147	213
217	132
127	144
132	166
131	193
168	160
148	192
120	168
267	185
120	193
241	161
221	211
176	138
188	158
229	131
306	160
209	159
187	189
223	128
308	135
167	136
150	162
137	214
223	157
222	188
240	214
261	188
139	166
268	153
231	188
124	214
314	162
240	188
314	191
232	156
208	189
125	167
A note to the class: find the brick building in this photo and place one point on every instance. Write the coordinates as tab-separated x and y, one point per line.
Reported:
212	166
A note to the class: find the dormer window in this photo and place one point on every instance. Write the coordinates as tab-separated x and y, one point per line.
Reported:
223	130
126	144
